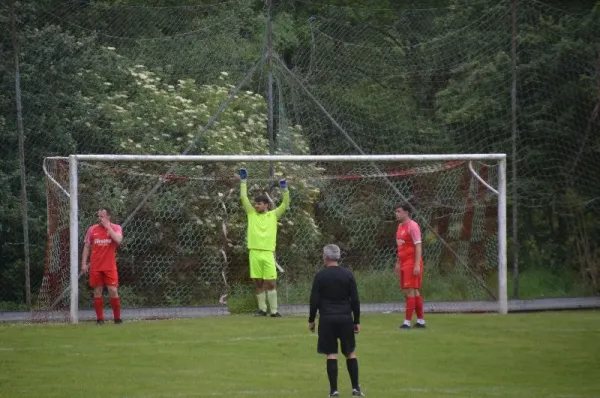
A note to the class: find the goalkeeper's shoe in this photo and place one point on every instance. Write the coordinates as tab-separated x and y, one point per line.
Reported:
419	325
276	315
118	321
100	322
357	393
260	313
404	326
334	394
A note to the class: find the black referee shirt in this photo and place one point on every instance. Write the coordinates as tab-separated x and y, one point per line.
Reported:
334	292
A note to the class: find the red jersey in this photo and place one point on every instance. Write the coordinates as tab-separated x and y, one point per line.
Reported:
103	257
407	236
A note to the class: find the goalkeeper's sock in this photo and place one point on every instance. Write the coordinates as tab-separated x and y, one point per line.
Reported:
272	295
419	308
115	303
99	307
352	366
410	308
332	374
262	301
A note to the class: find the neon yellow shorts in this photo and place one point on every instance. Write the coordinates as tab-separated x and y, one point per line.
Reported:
262	265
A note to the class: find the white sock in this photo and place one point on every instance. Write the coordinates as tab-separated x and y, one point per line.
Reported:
421	321
407	322
262	301
272	297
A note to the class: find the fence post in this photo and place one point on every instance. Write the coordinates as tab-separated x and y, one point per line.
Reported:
21	135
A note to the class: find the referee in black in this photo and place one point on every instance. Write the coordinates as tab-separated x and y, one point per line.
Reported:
335	296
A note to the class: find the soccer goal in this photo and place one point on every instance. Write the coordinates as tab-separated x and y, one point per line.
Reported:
184	254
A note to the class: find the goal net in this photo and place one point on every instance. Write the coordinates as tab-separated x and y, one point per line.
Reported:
184	250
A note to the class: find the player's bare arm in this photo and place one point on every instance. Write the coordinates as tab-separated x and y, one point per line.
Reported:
418	256
85	266
116	237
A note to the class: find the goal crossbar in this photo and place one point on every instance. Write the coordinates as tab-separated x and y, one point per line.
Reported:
285	158
500	191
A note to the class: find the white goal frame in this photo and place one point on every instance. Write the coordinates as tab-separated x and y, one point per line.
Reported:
500	191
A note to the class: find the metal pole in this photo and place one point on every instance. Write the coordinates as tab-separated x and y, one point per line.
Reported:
514	193
270	90
21	135
74	238
502	237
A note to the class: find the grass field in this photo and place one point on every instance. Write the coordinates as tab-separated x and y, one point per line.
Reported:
519	355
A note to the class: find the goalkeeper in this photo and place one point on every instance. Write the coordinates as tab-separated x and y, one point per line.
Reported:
262	239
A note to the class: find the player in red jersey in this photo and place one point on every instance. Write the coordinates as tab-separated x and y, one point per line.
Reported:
410	265
102	240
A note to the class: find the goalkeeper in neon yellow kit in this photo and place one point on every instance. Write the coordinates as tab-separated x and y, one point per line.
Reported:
262	240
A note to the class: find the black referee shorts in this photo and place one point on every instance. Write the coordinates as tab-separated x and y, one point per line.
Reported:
332	329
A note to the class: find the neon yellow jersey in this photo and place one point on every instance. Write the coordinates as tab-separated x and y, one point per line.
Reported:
262	227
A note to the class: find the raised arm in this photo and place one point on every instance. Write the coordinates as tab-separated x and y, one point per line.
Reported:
243	174
286	199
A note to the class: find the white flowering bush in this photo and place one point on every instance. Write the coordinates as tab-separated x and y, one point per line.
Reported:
185	221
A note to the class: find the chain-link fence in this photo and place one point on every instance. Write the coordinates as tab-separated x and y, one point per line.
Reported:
205	77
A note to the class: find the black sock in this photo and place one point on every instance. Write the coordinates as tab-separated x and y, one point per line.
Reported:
352	365
332	373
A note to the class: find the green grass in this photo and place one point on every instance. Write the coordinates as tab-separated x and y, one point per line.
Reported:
518	355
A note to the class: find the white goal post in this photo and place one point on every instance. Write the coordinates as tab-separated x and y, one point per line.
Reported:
499	161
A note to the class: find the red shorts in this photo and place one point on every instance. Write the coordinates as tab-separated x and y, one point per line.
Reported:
104	278
408	280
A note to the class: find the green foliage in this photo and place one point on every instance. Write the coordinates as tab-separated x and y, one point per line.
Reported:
17	305
131	76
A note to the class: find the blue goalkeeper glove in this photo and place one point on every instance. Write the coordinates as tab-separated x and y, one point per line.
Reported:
243	174
283	184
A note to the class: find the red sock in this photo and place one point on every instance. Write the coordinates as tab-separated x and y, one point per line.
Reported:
410	307
99	307
115	303
419	306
